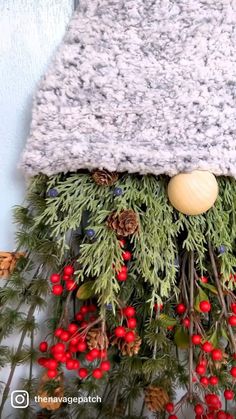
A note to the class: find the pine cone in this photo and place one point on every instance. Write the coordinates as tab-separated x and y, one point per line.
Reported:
128	348
97	339
8	262
123	223
52	404
104	178
156	398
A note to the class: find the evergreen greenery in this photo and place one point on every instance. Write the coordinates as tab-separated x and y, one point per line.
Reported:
53	233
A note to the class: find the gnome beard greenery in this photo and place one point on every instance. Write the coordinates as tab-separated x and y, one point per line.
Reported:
141	297
137	278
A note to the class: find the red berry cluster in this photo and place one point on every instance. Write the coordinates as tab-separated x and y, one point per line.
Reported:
67	277
211	409
71	344
131	322
122	275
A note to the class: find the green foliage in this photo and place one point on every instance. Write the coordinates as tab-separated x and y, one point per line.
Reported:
52	233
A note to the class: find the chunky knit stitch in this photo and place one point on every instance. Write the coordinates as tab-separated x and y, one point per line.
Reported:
140	86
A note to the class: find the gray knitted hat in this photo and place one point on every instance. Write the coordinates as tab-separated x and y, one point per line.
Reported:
140	86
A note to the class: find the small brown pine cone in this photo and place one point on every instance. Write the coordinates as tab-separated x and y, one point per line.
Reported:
104	178
128	348
123	223
8	261
58	392
156	398
97	339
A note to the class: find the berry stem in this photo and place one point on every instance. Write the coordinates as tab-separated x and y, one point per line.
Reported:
191	317
221	295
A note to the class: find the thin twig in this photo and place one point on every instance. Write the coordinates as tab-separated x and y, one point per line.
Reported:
13	366
221	296
191	315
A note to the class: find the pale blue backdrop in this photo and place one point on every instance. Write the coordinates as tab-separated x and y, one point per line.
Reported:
30	31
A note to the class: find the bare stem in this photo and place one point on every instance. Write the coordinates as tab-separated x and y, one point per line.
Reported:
191	316
221	296
13	366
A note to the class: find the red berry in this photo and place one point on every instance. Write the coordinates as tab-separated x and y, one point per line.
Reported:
105	366
221	415
103	354
66	277
122	276
75	341
127	255
204	306
207	347
213	380
82	346
196	339
122	242
97	373
58	332
83	372
83	324
200	369
173	417
65	336
204	279
232	321
52	364
180	308
210	415
58	356
169	407
129	337
42	361
72	328
186	322
59	347
76	364
233	308
79	317
70	364
213	401
131	323
92	319
198	409
129	311
228	394
233	372
158	307
55	278
84	309
217	355
94	353
71	285
120	331
92	308
51	373
43	347
68	355
204	381
203	361
57	289
88	357
68	270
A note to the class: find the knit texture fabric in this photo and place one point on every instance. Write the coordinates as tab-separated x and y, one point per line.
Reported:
140	86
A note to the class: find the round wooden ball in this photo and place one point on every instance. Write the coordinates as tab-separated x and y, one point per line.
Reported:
193	193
